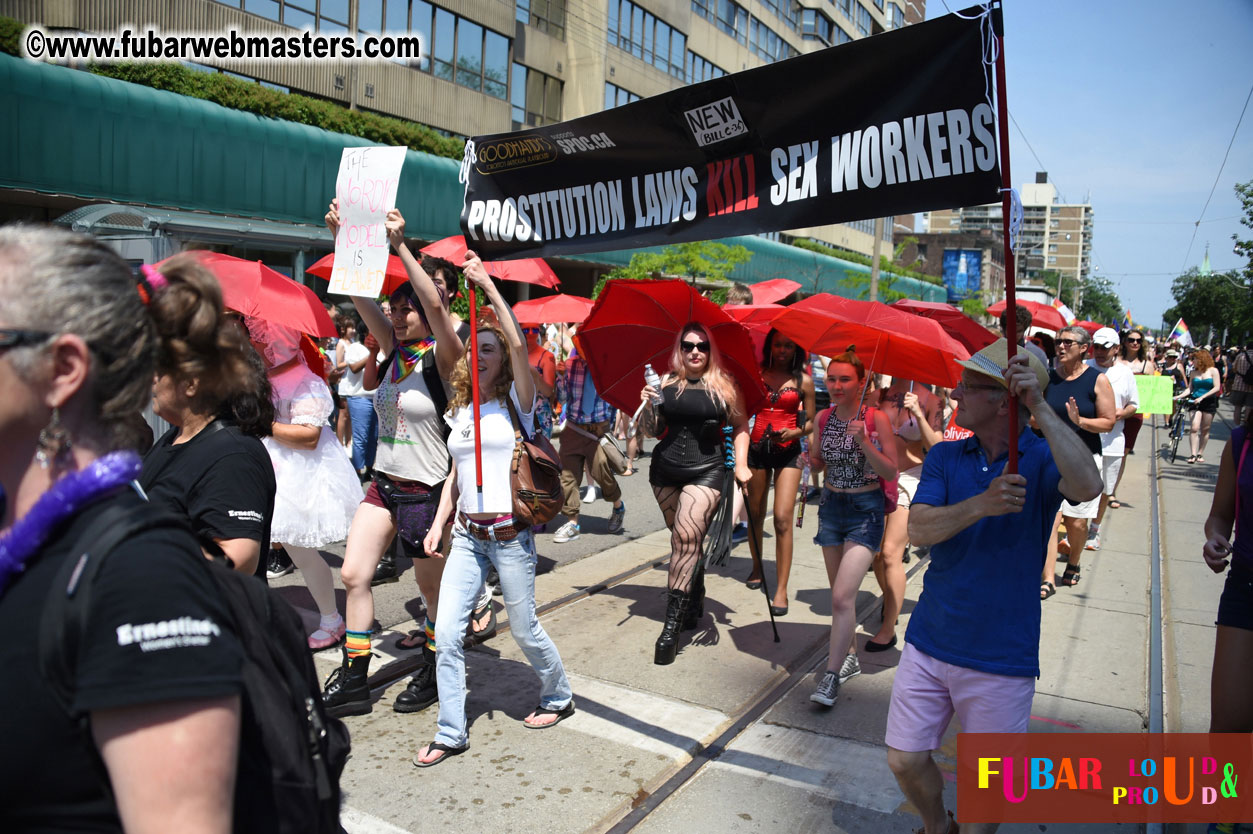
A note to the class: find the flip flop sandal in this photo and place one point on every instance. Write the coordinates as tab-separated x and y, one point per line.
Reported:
562	714
415	639
1047	589
489	631
448	752
1070	577
1115	504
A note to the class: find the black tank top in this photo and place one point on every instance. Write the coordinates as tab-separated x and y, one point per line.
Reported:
693	427
1083	389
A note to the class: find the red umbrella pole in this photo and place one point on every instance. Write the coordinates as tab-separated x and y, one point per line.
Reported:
475	397
1011	320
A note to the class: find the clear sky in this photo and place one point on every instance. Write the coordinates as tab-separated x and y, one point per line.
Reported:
1131	104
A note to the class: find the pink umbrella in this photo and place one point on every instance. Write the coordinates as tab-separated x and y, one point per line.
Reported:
523	270
768	292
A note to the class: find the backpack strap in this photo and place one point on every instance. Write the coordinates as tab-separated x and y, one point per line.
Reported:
63	620
518	434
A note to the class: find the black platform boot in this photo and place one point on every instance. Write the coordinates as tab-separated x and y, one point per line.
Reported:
421	691
696	602
668	643
347	691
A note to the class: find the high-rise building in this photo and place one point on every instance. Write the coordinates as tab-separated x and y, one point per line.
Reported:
1056	237
492	67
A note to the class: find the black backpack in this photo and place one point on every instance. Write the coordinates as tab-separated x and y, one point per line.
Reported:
1247	375
291	754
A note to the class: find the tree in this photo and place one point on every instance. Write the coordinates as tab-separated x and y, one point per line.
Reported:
1218	300
705	260
1244	248
1099	302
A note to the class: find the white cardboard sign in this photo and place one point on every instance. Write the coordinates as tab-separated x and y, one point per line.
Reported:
366	190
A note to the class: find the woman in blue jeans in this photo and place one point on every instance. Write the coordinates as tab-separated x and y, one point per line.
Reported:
359	402
484	531
853	443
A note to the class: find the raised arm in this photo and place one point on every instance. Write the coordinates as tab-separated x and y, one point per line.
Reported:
370	312
509	326
448	347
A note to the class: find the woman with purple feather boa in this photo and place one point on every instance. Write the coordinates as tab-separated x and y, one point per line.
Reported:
158	718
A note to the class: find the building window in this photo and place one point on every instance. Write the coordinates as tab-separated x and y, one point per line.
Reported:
845	7
263	8
699	69
453	48
730	17
642	34
786	10
898	17
766	43
545	15
535	98
863	20
878	4
615	96
816	26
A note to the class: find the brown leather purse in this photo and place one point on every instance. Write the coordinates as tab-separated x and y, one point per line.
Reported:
534	476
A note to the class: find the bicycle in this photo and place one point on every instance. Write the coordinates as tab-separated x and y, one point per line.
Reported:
1176	425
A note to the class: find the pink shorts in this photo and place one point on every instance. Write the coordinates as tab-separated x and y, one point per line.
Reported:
927	692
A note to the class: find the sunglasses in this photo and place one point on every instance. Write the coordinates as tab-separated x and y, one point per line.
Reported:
1065	343
688	347
13	337
1134	341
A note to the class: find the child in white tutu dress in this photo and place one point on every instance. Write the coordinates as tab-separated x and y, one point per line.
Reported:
318	490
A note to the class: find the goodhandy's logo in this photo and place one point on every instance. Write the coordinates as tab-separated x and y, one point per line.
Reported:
1103	777
510	154
715	121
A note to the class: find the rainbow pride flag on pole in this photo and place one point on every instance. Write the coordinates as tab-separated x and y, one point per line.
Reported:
1180	334
1127	323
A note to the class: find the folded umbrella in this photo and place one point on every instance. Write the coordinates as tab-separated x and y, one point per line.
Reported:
887	340
636	322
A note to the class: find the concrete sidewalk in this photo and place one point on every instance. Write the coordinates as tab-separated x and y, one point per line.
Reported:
798	767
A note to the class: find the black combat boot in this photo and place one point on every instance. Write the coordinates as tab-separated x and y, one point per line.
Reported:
386	570
421	691
347	691
668	643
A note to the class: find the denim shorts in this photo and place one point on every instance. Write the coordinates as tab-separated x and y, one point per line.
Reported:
850	518
1235	606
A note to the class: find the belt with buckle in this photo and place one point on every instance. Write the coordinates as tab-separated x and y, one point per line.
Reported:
501	532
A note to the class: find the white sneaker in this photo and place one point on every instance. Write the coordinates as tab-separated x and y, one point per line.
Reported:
1094	538
589	493
567	532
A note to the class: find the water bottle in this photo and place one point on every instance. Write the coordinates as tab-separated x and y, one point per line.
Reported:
653	381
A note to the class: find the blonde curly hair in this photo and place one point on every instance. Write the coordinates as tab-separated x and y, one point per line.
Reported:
462	390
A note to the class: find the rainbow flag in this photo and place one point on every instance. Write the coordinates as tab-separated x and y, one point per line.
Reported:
1127	324
1180	334
1066	312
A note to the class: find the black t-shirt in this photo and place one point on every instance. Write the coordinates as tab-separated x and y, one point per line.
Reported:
156	632
222	480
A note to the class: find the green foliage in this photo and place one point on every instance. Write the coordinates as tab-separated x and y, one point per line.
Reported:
974	307
1097	300
1218	300
252	97
885	264
1244	248
705	260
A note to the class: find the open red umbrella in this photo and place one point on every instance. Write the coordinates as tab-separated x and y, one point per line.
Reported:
768	292
523	270
252	288
754	316
956	323
394	278
635	323
888	341
1042	315
1090	326
553	309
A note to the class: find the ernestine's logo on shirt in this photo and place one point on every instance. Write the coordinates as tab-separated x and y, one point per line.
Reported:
465	433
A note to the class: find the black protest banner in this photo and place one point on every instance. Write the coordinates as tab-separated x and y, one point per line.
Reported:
891	124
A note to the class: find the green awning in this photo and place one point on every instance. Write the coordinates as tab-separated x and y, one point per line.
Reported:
63	131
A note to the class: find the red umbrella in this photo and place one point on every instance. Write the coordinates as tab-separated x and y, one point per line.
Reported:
1042	315
523	270
768	292
394	278
888	341
956	323
553	309
635	323
1090	326
754	316
252	288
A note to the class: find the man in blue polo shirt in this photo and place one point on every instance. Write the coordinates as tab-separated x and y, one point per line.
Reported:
972	646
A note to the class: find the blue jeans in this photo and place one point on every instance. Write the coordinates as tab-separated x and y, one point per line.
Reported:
365	431
464	573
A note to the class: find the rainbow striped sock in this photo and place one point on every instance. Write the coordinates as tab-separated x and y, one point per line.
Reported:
430	634
357	643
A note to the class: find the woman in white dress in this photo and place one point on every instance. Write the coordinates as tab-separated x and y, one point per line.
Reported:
318	491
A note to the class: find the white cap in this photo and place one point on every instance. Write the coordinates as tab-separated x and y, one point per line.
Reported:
1105	337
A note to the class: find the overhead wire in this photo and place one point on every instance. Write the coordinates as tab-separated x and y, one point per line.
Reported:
1217	176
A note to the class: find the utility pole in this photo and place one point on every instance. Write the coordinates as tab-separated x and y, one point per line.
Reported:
874	259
